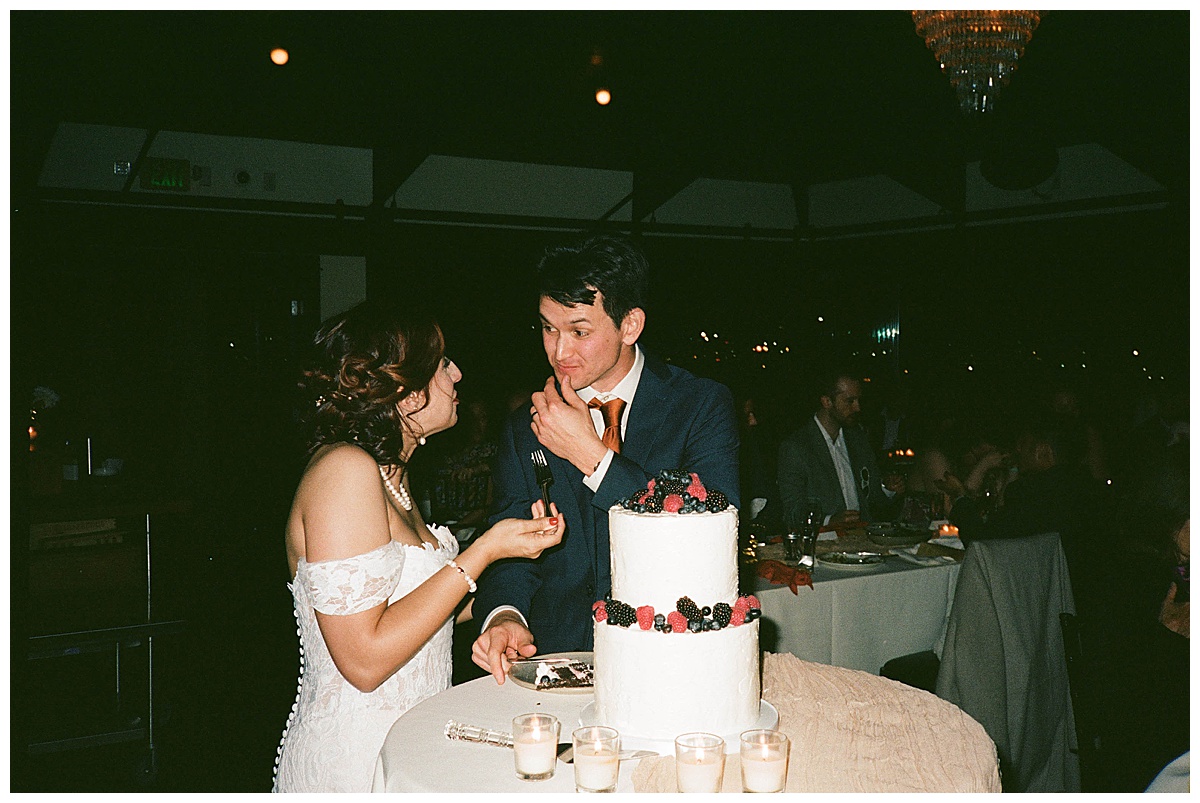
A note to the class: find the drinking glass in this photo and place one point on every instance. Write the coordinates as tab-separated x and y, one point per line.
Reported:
699	762
792	544
809	528
535	746
597	762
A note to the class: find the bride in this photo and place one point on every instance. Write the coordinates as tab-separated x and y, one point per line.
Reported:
375	588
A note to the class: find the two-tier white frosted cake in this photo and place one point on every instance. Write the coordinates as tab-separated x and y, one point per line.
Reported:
676	648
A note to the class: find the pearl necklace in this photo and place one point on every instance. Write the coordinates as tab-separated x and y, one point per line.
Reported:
401	496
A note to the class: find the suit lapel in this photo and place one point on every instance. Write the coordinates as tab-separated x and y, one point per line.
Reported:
648	413
821	449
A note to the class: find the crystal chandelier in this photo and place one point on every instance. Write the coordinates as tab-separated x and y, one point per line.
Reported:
977	49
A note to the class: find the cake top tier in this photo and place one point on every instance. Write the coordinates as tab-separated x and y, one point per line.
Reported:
676	490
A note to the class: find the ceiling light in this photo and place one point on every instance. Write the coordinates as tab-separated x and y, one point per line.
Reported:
603	97
978	50
279	56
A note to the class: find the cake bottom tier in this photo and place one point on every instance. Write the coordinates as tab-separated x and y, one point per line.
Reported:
658	686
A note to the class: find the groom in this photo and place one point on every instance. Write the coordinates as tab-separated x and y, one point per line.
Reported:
643	416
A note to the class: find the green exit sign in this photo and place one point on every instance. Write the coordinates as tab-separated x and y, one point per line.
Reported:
166	174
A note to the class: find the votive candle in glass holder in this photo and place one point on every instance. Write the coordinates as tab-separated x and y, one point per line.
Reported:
699	762
764	760
597	761
535	746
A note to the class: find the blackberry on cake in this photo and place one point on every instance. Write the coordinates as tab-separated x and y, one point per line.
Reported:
716	502
688	608
621	614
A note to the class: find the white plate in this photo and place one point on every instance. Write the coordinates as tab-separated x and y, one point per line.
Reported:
525	674
768	718
852	561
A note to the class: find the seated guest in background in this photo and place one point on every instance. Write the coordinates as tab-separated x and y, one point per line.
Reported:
955	446
375	588
829	459
609	419
1052	492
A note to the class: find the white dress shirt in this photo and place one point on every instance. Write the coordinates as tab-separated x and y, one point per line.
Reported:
841	462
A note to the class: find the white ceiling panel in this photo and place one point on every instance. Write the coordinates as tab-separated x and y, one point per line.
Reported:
866	200
723	203
484	186
277	170
81	156
1084	172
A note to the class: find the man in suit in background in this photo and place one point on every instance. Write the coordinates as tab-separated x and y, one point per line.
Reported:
829	459
645	416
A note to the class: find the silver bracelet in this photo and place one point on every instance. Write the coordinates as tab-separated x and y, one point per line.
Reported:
470	580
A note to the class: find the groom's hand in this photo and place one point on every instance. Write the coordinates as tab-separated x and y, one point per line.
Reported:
505	640
563	424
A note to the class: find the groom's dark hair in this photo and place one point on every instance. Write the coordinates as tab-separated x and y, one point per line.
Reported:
604	263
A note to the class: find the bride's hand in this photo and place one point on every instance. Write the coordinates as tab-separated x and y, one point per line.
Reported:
526	538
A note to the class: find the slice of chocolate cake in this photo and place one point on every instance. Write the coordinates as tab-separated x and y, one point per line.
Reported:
571	675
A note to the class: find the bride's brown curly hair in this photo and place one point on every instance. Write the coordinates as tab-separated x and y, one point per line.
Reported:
369	359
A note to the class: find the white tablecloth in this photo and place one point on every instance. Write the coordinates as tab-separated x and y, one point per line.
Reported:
417	757
860	619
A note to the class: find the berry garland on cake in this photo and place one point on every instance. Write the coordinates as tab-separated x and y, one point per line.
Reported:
686	618
676	490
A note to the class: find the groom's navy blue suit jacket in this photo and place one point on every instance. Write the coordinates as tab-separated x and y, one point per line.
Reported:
677	420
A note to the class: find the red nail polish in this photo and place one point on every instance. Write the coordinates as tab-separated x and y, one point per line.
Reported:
554	522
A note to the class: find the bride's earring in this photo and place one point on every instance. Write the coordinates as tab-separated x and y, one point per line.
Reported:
421	440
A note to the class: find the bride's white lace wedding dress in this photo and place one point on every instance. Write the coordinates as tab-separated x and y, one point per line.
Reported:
335	731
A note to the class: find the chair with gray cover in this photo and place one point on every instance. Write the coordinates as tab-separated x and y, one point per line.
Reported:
1003	662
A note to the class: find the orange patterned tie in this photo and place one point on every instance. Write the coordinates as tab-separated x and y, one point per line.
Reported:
611	410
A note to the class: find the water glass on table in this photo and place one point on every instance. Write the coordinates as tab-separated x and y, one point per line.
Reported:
792	547
699	762
535	746
810	527
597	758
764	760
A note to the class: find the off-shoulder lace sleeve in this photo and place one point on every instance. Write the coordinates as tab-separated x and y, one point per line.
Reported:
353	585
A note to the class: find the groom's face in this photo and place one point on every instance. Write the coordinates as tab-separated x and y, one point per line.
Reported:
582	342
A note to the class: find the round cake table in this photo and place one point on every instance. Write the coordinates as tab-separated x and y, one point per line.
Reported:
851	732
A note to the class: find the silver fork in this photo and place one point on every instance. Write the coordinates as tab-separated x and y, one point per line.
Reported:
541	471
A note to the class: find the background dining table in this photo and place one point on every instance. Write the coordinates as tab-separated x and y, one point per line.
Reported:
850	732
859	617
